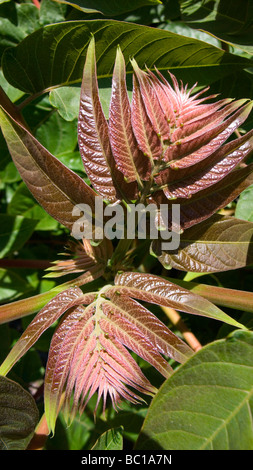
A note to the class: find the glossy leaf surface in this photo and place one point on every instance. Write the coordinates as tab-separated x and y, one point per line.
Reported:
130	160
155	289
55	187
175	52
89	352
206	404
220	244
43	320
204	204
93	137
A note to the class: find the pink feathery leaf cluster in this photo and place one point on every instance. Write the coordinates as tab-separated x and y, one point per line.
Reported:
165	144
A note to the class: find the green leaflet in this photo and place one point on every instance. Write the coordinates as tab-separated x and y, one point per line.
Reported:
31	68
207	403
229	21
110	440
15	230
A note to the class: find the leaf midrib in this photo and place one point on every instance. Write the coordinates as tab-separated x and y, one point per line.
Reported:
37	164
231	415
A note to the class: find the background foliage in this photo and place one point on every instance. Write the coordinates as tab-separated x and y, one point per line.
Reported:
42	57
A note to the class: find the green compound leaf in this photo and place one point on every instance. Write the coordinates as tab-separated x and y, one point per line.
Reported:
18	416
37	64
207	403
229	21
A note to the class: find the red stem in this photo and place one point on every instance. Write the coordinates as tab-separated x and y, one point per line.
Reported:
36	3
24	263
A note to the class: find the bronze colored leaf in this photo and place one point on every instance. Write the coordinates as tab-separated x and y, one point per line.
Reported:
207	202
42	321
218	244
56	187
93	137
154	289
130	160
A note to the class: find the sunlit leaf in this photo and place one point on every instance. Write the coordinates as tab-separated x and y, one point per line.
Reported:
89	353
55	187
93	137
23	203
219	244
157	290
206	404
130	160
203	204
43	320
189	58
110	440
15	230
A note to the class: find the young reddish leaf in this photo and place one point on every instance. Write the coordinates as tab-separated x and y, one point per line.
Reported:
93	137
219	244
56	188
195	166
166	96
147	138
153	107
199	111
157	290
141	322
224	297
204	204
204	136
60	358
42	321
204	123
130	160
87	354
218	166
85	257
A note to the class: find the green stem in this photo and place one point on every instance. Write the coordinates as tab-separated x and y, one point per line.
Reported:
120	251
222	296
25	307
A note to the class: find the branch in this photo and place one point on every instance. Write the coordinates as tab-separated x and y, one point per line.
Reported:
177	321
222	296
25	263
